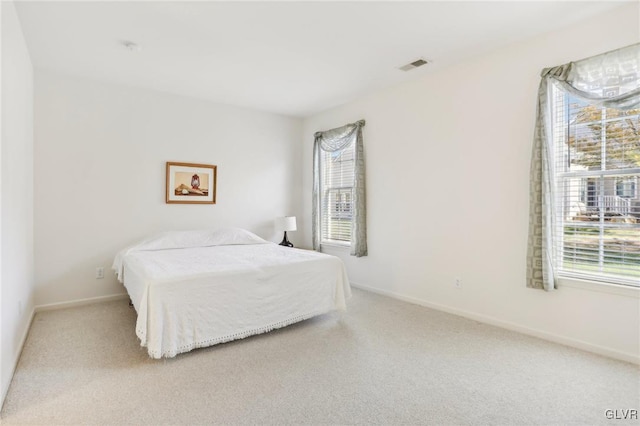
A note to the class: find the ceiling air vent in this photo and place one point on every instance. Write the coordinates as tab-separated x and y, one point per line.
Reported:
413	65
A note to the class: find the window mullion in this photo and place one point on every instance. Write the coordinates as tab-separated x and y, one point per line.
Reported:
601	188
599	173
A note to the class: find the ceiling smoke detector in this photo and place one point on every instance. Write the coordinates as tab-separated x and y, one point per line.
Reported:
413	65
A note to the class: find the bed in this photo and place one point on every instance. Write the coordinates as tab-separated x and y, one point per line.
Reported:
199	288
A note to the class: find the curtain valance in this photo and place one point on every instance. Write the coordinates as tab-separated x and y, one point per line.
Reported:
611	80
338	138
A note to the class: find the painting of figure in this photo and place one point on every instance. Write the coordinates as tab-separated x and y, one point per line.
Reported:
191	183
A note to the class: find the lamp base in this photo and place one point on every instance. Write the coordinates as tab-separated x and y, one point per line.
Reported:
285	241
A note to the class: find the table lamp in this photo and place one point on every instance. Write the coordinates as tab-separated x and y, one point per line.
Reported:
287	223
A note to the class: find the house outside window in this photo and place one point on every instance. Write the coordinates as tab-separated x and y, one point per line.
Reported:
597	165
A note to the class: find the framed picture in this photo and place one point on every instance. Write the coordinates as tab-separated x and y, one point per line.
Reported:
189	183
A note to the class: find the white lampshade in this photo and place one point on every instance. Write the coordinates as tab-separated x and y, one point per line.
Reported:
287	223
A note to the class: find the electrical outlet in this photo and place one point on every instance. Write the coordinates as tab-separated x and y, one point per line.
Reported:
99	273
20	307
457	282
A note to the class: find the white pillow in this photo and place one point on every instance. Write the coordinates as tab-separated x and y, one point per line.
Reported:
234	236
199	238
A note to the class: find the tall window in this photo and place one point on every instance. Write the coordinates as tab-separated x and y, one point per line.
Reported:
339	213
597	165
336	187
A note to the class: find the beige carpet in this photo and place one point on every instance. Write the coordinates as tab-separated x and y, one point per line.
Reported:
384	362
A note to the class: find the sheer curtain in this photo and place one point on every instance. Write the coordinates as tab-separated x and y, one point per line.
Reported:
336	140
610	80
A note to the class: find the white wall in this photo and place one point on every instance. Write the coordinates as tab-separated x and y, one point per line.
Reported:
448	191
16	194
100	153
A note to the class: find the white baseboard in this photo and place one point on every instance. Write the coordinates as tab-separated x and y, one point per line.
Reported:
80	302
563	340
23	339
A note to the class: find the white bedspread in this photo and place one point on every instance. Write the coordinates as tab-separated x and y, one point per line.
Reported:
200	296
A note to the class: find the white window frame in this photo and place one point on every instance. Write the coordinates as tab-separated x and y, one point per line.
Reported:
572	278
325	202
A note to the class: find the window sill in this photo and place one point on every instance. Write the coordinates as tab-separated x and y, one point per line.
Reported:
620	290
335	246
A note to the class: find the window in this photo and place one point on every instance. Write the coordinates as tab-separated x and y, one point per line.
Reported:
627	187
336	186
597	164
339	212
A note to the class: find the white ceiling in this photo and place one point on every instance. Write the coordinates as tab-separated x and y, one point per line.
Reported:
294	58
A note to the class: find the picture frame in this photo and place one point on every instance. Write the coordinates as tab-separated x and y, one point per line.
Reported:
190	183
